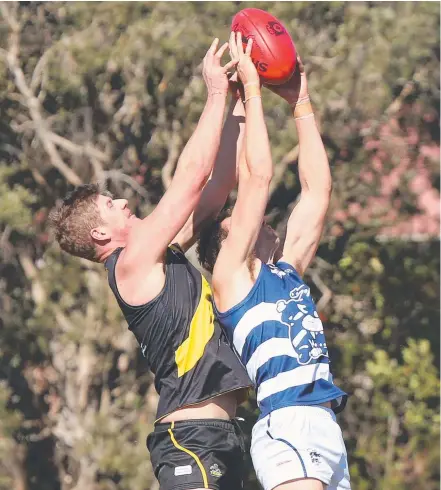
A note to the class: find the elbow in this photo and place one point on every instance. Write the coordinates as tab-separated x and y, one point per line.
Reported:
268	177
198	169
192	176
202	168
200	177
323	196
319	197
327	190
322	191
327	185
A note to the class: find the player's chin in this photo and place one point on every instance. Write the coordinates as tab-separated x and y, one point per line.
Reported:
132	222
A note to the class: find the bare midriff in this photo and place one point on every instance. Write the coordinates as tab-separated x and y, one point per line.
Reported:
220	407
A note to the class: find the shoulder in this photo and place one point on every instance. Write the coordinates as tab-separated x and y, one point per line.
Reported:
139	283
283	268
280	270
230	287
172	254
281	278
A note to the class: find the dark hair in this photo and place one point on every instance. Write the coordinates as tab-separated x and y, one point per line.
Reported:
210	240
73	220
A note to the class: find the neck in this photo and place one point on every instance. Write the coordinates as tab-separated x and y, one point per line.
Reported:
103	256
278	253
105	252
265	255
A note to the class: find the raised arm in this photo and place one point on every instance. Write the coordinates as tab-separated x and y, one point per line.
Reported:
148	241
305	225
223	178
255	173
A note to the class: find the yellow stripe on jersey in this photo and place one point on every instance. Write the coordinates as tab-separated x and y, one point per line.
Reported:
190	453
201	331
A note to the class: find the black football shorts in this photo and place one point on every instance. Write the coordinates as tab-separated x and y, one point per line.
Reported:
193	454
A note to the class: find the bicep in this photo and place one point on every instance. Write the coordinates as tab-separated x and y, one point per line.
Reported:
305	227
246	222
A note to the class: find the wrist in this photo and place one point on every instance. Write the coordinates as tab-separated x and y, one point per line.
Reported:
217	94
294	100
302	108
252	90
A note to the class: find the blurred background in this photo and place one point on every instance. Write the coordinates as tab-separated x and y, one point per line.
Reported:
112	91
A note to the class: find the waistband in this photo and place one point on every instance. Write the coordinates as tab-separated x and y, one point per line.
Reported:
316	410
219	423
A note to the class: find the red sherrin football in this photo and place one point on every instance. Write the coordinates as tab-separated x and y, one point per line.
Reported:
273	53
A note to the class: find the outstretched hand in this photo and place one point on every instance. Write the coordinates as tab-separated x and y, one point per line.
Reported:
245	67
295	88
214	74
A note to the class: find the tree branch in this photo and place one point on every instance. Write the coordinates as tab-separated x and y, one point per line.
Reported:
175	140
75	149
174	147
32	103
279	170
326	292
121	176
396	104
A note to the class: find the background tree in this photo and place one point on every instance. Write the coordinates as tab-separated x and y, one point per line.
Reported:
112	91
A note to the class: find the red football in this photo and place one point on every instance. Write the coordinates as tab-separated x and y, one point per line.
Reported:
273	53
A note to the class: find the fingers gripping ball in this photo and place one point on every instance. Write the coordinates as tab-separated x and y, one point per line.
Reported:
273	53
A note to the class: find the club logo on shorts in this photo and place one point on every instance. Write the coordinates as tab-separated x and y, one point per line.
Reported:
215	470
316	457
275	28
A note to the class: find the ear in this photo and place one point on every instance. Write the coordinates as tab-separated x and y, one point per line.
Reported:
99	234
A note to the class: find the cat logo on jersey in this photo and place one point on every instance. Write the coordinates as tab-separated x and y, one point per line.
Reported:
200	332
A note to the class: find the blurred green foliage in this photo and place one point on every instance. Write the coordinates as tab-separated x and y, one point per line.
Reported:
120	82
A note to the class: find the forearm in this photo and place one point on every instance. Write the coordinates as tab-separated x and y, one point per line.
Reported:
314	171
257	147
224	172
305	225
223	178
200	151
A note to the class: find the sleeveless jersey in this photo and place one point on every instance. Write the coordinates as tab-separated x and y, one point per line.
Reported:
180	338
279	337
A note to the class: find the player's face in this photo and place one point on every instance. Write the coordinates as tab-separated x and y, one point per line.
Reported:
117	217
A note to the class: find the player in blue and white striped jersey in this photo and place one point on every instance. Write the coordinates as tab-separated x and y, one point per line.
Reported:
266	308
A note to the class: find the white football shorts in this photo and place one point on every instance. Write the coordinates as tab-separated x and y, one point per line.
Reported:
300	442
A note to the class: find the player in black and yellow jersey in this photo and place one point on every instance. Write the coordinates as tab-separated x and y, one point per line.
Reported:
166	301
